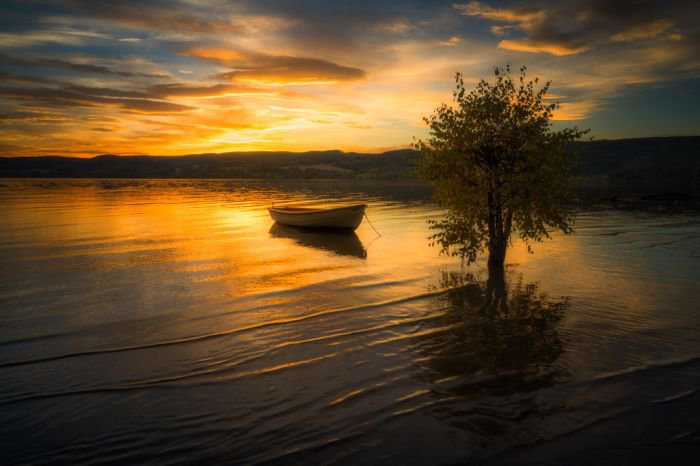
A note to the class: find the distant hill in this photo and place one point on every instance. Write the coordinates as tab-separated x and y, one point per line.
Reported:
294	165
671	159
674	160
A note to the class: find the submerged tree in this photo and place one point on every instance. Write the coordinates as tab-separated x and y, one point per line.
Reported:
498	166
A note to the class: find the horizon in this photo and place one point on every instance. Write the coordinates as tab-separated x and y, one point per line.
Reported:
152	78
310	151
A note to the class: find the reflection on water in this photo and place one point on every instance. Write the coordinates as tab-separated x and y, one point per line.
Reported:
171	321
342	243
505	332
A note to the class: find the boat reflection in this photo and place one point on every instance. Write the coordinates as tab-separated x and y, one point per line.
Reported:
338	242
501	337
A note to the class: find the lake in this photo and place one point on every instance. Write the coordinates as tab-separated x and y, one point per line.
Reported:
170	321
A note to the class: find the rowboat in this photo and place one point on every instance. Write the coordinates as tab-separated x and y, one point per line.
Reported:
347	217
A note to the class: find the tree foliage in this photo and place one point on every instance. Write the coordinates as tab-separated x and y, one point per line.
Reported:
497	166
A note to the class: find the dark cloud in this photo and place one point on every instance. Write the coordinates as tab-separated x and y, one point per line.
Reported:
310	71
9	149
562	28
165	91
152	15
555	30
529	29
67	65
108	92
16	79
148	106
642	20
33	116
621	12
71	98
188	90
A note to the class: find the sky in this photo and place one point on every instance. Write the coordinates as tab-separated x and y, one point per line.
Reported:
89	77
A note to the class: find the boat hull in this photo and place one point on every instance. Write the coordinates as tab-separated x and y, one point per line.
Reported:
348	217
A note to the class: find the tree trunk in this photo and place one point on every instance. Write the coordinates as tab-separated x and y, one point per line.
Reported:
500	222
495	295
497	252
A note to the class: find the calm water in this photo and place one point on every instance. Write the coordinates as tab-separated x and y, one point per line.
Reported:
172	322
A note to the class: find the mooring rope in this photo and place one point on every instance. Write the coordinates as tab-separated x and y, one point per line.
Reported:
370	224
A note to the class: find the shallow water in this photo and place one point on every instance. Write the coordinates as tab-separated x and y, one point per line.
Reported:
171	321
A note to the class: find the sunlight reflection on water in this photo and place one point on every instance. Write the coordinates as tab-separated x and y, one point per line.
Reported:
174	320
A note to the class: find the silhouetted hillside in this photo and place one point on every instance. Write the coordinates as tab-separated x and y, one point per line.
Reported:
671	160
327	164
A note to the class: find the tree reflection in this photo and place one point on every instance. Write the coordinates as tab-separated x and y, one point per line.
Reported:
501	335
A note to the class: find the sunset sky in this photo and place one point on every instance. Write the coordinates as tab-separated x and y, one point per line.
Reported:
85	77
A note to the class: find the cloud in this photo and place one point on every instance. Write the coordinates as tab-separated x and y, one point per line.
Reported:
645	31
277	69
541	26
16	79
571	111
622	13
356	125
199	91
395	26
265	24
215	53
150	106
535	46
32	116
50	36
156	15
107	92
522	16
499	30
295	70
451	42
61	98
68	65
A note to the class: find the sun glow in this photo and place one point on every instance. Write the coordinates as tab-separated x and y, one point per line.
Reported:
189	80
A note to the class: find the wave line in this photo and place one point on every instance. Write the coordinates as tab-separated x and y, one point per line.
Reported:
208	336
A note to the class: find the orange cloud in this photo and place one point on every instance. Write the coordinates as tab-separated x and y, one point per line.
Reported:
535	46
497	14
214	53
568	111
277	69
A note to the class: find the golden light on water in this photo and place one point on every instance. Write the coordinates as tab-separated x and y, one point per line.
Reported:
185	296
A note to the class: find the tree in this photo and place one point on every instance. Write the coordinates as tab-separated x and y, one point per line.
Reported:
497	166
